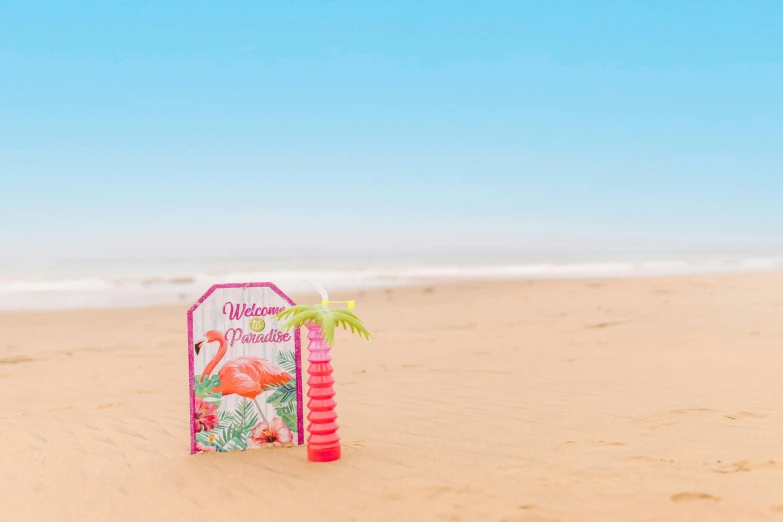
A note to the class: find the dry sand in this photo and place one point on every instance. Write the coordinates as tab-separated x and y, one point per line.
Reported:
646	399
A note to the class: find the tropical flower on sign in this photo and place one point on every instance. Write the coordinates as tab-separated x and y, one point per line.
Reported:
205	416
270	434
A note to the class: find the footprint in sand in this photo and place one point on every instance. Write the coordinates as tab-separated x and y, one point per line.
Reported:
745	415
603	325
686	411
742	466
610	443
461	326
66	408
692	497
662	426
655	421
644	459
658	419
615	443
690	412
516	465
528	514
15	360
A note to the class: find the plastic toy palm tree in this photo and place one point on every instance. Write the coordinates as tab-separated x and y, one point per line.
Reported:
323	443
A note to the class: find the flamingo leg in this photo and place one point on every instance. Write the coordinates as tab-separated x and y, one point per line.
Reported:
258	406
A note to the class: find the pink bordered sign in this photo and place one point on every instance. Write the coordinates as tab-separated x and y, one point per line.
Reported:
245	373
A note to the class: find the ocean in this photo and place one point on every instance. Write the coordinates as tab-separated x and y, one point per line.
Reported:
122	282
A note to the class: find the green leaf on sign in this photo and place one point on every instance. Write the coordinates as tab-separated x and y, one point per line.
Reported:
289	420
204	389
283	394
287	361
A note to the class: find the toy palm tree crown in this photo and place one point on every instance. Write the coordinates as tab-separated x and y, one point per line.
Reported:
324	317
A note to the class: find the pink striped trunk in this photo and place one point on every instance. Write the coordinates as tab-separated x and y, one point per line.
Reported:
323	443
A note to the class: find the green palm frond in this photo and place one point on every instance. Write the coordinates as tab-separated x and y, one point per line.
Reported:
294	311
327	326
326	318
303	317
350	319
341	311
355	326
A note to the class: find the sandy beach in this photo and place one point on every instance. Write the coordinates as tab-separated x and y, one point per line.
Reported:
595	400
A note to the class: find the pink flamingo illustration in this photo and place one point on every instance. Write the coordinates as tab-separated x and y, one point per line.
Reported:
246	376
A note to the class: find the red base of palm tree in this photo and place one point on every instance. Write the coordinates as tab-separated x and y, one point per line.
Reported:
323	455
323	443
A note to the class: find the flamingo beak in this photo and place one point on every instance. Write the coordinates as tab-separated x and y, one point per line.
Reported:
199	344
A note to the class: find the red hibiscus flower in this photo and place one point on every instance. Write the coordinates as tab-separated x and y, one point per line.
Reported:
205	417
270	434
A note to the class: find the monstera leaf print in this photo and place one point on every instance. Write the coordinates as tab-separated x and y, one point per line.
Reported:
204	389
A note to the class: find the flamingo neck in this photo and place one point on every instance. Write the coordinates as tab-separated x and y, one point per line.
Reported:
216	359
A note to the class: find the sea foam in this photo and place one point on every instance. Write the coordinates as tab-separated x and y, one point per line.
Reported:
172	286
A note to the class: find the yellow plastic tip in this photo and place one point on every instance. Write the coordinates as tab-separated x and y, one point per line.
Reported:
351	304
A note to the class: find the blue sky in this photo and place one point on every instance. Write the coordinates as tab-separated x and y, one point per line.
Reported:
174	127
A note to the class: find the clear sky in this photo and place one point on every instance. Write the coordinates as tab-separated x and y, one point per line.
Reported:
177	127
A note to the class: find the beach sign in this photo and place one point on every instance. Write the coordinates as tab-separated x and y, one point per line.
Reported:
245	371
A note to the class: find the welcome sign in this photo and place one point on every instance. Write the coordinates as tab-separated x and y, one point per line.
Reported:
245	374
